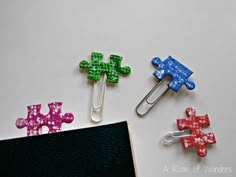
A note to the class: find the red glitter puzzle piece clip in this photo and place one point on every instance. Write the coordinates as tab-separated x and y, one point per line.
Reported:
197	138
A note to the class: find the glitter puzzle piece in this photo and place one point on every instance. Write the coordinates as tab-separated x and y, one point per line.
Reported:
176	70
55	118
197	138
95	67
34	121
114	69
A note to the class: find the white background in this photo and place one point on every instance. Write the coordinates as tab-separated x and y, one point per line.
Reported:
42	43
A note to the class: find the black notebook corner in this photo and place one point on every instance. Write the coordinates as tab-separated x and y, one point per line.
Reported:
102	151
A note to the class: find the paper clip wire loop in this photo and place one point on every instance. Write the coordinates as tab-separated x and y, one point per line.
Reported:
173	137
99	89
151	104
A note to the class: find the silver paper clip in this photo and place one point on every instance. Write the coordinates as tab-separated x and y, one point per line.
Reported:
173	137
99	89
179	76
147	102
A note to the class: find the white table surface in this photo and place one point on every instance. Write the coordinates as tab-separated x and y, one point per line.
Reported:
42	43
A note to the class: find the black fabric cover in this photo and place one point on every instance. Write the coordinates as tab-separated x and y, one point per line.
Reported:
102	151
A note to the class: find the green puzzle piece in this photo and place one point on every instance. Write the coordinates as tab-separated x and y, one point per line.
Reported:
96	67
114	69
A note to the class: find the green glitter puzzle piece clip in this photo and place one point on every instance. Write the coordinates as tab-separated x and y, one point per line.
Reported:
114	69
96	67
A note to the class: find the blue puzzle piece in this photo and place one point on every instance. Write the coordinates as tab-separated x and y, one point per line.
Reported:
176	70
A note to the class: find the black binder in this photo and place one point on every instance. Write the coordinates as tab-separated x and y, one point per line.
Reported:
102	151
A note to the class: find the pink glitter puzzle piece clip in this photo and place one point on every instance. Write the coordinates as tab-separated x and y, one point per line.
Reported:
35	120
55	118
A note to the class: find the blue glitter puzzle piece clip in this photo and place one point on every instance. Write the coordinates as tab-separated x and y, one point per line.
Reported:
176	70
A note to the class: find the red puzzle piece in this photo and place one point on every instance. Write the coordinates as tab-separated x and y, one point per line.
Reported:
197	138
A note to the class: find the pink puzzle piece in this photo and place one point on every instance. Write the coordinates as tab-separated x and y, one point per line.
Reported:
55	118
35	120
198	138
